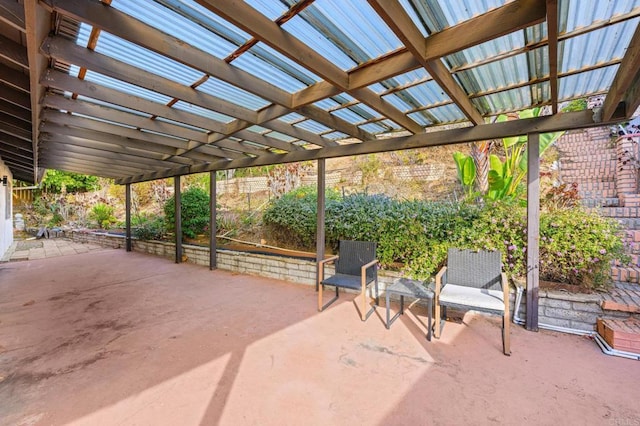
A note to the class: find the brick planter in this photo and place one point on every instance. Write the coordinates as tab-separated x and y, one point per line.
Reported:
620	335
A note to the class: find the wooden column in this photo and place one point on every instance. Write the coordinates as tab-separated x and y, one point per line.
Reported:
178	214
320	236
213	229
533	229
127	220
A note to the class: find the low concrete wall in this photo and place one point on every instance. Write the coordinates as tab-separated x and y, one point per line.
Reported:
577	311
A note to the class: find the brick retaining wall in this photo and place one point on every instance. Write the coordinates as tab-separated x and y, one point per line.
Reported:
577	311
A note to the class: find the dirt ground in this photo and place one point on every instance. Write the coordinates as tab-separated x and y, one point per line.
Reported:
116	338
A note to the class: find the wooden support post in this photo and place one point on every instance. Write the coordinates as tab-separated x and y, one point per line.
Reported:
127	220
533	229
320	236
178	214
213	229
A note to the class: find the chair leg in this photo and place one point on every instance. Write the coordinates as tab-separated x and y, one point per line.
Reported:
320	288
363	314
437	319
506	335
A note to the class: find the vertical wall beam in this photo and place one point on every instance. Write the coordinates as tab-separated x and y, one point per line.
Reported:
213	229
178	214
320	236
533	229
127	220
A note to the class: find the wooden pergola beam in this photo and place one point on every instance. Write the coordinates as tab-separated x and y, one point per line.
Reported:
503	20
545	124
128	28
13	52
256	24
12	14
624	91
552	35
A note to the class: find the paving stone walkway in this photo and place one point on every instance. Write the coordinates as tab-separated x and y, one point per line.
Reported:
44	248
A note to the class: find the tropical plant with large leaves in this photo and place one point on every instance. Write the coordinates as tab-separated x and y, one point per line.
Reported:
466	171
505	176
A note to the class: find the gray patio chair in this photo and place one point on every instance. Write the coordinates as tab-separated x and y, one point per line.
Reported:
356	269
473	280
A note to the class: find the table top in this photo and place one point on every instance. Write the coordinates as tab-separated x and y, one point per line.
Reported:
412	288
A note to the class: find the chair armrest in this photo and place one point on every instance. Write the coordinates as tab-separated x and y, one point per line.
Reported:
366	266
439	278
328	259
363	272
321	267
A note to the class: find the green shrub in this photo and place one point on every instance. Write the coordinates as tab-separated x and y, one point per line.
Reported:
292	217
102	215
577	247
148	228
194	211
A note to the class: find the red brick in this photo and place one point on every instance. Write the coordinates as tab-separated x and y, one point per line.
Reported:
619	334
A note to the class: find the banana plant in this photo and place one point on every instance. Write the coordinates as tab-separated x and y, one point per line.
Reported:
466	171
505	177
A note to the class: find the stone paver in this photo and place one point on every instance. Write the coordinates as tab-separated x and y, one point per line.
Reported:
42	249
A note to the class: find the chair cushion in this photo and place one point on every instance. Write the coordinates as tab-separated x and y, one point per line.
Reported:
345	281
479	298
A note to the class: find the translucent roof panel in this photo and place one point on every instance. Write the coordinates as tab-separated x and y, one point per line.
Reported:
282	75
292	117
121	86
576	14
312	126
192	24
585	83
233	94
271	9
144	59
496	75
334	136
487	50
281	62
374	128
442	114
435	16
185	106
352	26
407	79
509	100
422	95
596	47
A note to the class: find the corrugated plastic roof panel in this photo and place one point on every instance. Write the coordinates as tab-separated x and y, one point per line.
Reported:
437	15
195	109
496	75
121	86
189	26
579	85
147	60
576	14
596	47
233	94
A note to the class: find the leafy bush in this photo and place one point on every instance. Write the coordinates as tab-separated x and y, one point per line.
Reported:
292	217
576	247
56	181
148	227
194	211
102	214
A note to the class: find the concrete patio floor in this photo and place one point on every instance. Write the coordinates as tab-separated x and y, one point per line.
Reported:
115	338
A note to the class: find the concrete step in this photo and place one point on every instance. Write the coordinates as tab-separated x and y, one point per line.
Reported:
600	202
587	178
594	194
588	158
629	223
595	186
618	212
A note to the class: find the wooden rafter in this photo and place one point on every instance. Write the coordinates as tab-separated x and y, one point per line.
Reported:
625	90
256	24
552	35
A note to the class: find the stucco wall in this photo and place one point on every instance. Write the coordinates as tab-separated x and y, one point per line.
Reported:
6	210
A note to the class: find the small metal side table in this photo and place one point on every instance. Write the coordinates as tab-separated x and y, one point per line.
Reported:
410	288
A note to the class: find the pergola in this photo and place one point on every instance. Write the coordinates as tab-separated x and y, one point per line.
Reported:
149	89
